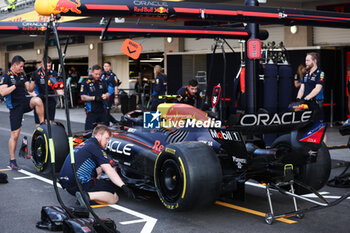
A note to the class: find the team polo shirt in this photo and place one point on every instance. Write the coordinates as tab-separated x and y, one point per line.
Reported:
18	96
111	81
160	84
88	156
93	88
39	79
311	80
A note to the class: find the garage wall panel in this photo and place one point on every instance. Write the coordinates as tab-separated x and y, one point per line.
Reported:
73	51
275	34
28	55
192	44
331	36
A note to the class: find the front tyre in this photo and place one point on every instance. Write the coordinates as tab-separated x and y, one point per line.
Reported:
187	175
40	147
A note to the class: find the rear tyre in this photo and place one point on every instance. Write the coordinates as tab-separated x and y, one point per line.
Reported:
40	147
187	175
314	174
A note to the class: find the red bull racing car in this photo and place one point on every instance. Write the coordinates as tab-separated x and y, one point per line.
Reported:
191	159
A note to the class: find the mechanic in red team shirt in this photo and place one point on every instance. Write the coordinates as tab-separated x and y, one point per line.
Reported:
90	161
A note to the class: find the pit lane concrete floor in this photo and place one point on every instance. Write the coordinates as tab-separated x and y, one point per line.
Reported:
27	191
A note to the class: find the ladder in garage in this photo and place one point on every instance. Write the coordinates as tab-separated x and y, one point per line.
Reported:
201	77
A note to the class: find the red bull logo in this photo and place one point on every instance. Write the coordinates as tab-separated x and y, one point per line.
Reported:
143	9
161	10
42	29
64	6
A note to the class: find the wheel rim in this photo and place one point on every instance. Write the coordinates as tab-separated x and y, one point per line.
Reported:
170	180
39	151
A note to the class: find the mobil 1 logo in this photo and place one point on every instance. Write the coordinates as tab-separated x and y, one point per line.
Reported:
225	135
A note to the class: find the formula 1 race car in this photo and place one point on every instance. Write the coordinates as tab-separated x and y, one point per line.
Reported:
190	159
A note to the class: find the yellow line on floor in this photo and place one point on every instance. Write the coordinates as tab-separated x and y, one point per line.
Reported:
6	169
98	206
261	214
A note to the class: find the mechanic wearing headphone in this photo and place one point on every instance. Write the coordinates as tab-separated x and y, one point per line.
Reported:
90	161
190	94
312	84
95	94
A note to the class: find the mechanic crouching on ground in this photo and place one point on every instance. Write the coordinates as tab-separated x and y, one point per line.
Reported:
95	95
190	94
13	85
90	161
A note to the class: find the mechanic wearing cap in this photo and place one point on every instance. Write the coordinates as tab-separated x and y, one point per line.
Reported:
190	94
13	86
38	85
95	95
90	161
159	87
312	84
112	84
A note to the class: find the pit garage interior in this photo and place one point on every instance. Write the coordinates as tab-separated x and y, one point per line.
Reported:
184	59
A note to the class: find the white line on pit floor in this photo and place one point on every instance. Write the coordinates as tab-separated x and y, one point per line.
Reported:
22	133
149	221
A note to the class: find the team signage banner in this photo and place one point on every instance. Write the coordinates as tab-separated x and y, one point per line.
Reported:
124	29
191	11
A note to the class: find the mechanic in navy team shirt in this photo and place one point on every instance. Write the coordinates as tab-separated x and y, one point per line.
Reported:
95	95
112	84
38	85
312	85
13	86
190	94
90	161
159	87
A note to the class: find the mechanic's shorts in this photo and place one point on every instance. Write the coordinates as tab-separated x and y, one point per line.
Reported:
16	114
95	185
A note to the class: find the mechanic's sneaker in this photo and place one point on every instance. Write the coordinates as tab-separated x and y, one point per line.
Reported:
80	199
13	165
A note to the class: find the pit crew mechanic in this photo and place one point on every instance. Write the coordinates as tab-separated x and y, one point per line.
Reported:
190	94
13	85
112	83
159	87
90	161
94	92
38	86
312	83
